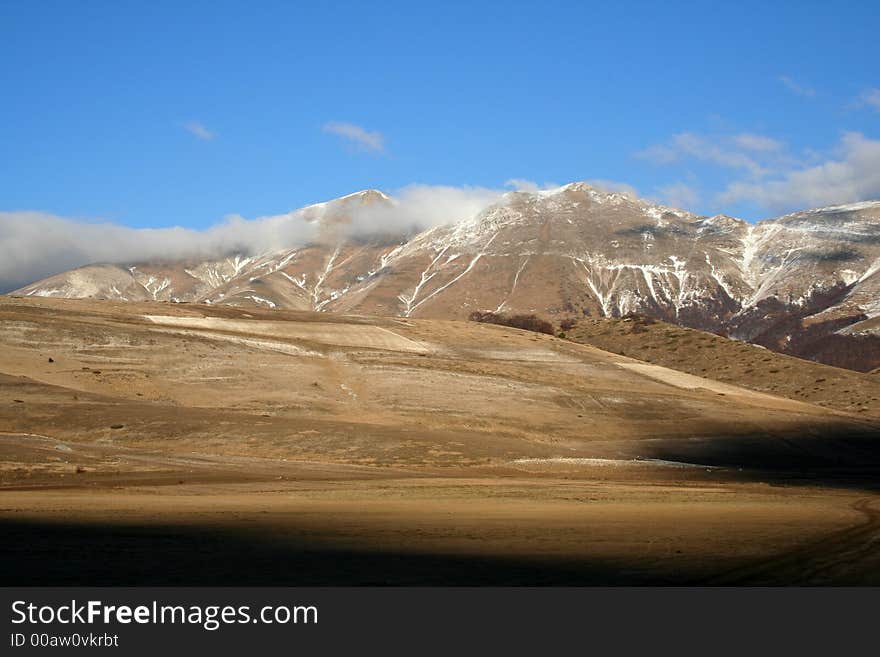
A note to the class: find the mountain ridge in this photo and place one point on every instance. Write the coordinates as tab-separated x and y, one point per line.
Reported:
805	283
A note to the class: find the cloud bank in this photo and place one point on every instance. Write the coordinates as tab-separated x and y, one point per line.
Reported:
419	207
851	174
731	151
34	245
764	171
679	195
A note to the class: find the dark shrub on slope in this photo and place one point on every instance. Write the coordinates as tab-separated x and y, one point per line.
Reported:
524	322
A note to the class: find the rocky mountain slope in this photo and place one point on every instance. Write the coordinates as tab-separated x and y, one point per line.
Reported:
805	284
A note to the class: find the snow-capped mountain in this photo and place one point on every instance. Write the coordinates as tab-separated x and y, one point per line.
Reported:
806	283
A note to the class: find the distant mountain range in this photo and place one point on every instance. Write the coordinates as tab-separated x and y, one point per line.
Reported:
805	284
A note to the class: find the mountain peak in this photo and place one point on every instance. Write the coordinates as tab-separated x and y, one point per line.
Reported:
366	194
363	196
576	249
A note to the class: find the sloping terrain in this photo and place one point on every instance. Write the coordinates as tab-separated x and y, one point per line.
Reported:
364	390
733	362
151	443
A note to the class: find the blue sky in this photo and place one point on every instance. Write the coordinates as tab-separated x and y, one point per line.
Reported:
158	114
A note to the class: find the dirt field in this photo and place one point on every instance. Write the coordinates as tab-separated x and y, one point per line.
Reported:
157	443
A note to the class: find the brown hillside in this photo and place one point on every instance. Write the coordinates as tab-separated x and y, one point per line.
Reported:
731	361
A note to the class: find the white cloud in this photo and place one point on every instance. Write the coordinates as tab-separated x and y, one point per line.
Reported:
680	195
735	152
419	207
796	87
763	171
870	98
199	130
525	185
759	143
34	245
851	174
356	135
660	154
614	186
